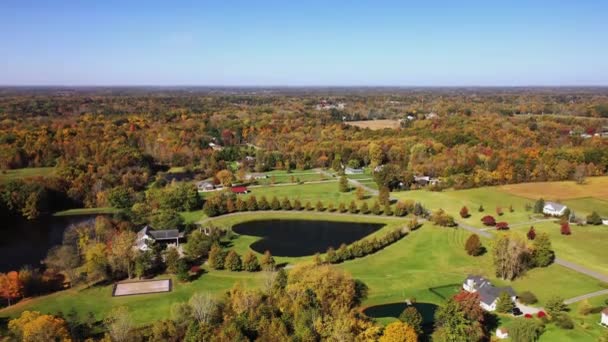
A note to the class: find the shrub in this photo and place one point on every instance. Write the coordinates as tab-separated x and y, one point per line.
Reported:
528	315
594	219
376	209
387	210
344	252
400	209
216	257
182	270
297	205
252	204
481	209
555	305
330	208
250	262
531	234
441	218
502	226
263	203
464	212
342	208
499	211
564	321
319	206
565	228
488	220
308	206
541	314
527	298
331	256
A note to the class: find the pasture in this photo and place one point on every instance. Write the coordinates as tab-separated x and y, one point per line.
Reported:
8	175
593	187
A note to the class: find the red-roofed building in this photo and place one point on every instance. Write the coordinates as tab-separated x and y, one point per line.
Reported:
239	189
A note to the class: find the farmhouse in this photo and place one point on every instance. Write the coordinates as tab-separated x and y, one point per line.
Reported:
254	176
488	293
204	186
353	171
425	180
215	146
604	319
554	209
167	237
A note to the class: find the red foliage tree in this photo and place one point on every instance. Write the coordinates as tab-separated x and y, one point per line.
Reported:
499	211
488	220
528	315
464	212
502	226
565	229
469	303
531	234
541	314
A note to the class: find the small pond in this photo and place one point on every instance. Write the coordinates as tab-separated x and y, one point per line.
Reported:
27	242
295	238
427	310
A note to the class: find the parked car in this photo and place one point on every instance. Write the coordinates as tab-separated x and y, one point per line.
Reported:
516	312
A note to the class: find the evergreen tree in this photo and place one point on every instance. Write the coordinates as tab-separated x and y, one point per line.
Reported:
352	208
250	262
364	208
384	196
331	256
539	205
343	184
376	209
286	204
413	318
505	303
594	219
275	204
233	261
216	257
267	261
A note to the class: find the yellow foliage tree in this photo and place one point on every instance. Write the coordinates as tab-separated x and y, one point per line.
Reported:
399	332
32	326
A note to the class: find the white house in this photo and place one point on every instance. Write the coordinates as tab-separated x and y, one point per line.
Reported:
554	209
605	222
488	293
167	236
205	186
604	320
502	333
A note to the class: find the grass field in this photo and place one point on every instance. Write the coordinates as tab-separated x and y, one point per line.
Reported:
594	187
375	124
586	246
282	177
8	175
325	192
587	205
87	211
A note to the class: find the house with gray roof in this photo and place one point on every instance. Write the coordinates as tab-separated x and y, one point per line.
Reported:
167	236
488	293
554	209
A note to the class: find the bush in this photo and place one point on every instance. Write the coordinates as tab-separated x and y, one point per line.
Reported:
502	226
297	205
564	321
499	211
473	245
531	234
387	210
331	256
352	208
308	206
565	228
594	219
400	209
319	206
342	208
251	263
441	218
376	209
488	220
527	298
464	212
275	204
286	204
555	306
233	261
480	209
364	208
344	253
263	203
330	208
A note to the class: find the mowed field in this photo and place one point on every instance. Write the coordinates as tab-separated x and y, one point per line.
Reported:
375	124
596	187
8	175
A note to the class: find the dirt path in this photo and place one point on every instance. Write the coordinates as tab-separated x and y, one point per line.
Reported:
586	296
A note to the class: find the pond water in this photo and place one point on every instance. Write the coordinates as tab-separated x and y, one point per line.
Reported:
294	238
27	242
426	310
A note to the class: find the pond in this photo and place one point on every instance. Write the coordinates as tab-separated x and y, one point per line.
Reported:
27	242
426	310
295	238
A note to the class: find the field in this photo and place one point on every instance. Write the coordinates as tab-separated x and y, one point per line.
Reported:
375	124
283	177
587	205
87	211
8	175
594	187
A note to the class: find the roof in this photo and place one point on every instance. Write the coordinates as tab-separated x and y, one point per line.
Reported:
488	293
159	235
555	206
238	189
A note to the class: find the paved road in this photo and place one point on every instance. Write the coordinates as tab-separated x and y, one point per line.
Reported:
586	296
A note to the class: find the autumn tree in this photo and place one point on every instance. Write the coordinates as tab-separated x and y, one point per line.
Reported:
96	262
119	325
121	255
399	332
267	261
216	257
64	258
531	234
384	196
197	246
10	286
464	212
233	261
202	307
451	324
510	256
225	177
32	326
250	262
343	184
473	245
360	193
565	228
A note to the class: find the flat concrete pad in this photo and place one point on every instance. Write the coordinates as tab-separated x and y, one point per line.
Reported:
142	287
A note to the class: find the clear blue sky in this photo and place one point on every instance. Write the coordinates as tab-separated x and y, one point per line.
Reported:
427	43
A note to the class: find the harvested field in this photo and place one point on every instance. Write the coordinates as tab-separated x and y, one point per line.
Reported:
141	287
375	124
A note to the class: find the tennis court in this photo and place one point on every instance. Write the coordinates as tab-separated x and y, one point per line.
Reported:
141	287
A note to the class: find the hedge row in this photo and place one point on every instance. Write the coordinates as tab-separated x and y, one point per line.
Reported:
362	248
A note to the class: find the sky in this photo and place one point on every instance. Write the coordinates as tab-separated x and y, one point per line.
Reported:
304	43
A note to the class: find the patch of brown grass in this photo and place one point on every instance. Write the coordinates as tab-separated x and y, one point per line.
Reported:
375	124
594	187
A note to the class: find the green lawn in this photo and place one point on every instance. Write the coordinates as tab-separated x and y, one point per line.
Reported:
9	175
490	198
585	206
87	211
585	246
326	192
282	177
144	308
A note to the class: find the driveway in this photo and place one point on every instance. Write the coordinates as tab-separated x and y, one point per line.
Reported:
525	309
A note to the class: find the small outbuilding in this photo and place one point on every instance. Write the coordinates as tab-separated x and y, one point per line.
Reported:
502	333
604	318
239	190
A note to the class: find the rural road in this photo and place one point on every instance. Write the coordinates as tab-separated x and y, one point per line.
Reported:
586	296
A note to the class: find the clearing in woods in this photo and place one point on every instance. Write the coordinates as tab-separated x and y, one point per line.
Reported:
375	124
593	187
